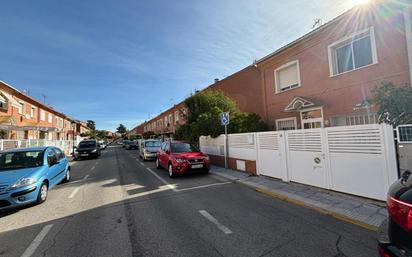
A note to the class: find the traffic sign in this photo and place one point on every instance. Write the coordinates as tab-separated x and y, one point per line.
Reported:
224	118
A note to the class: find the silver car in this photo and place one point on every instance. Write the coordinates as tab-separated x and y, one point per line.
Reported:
148	149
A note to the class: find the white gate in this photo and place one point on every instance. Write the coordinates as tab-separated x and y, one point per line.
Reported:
357	160
306	162
271	151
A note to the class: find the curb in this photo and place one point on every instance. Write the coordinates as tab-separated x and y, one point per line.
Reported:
335	215
318	209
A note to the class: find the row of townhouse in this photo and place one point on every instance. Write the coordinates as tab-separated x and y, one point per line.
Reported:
23	117
323	78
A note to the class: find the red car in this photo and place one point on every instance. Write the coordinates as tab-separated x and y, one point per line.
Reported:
181	158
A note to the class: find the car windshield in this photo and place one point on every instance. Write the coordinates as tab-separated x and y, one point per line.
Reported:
183	148
20	160
153	144
87	144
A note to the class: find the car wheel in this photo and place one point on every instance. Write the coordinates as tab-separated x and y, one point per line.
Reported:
171	173
67	178
158	164
42	196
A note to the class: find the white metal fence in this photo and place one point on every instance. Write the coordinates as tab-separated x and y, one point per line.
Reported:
65	145
359	160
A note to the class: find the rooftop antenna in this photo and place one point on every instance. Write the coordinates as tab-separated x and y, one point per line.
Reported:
44	98
317	22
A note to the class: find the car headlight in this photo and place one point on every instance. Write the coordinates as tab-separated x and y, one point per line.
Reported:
23	182
180	160
207	158
94	150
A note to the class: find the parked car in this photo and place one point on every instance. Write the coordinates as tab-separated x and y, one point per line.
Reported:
125	142
131	144
395	234
148	149
87	148
181	157
103	145
27	174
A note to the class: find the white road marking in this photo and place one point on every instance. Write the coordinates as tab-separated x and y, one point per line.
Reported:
203	186
37	240
74	192
85	177
173	187
216	222
93	168
141	163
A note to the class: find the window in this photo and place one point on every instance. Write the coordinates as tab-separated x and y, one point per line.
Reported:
3	102
21	108
42	115
287	76
176	116
354	120
166	123
33	112
353	52
286	124
170	118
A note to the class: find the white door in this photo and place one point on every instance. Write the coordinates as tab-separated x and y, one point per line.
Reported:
270	154
306	162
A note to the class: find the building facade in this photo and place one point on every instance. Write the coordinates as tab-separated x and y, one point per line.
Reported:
325	77
23	117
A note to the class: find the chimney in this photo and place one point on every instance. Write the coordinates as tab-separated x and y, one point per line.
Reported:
216	80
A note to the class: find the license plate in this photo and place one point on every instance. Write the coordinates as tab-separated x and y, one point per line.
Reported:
84	154
197	166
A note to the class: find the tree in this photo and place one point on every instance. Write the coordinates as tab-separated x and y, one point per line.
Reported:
91	124
203	118
395	103
121	129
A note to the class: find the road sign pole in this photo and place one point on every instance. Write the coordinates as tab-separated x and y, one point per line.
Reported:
227	149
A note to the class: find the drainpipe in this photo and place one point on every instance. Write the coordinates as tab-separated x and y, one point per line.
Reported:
407	13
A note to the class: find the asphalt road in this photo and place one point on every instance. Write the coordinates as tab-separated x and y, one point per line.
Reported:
118	205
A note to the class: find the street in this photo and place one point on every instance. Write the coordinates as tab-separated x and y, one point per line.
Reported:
118	205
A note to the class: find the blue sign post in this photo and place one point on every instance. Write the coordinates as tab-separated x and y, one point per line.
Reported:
224	120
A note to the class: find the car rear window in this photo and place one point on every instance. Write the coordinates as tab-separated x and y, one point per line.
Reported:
85	144
20	160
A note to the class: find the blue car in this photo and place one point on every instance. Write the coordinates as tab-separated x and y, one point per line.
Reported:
27	174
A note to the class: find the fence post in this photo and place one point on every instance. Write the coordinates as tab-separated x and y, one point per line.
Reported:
2	145
284	157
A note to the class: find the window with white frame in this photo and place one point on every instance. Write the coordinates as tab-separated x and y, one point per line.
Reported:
42	115
50	118
166	123
353	52
287	76
21	108
362	119
33	112
170	118
286	124
176	116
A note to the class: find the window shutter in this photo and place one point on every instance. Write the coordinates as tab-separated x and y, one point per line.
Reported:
288	77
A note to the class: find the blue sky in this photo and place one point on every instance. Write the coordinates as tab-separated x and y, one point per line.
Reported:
123	61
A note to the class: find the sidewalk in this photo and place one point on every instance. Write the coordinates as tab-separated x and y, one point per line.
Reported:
363	212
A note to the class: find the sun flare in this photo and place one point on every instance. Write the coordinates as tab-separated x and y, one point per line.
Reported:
359	2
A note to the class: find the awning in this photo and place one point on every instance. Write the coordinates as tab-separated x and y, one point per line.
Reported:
298	103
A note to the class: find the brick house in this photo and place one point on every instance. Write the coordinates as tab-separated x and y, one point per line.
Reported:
23	117
325	77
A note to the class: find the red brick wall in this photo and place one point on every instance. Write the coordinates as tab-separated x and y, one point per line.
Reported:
220	161
338	94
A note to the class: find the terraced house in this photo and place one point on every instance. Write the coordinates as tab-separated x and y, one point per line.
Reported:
325	77
23	117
